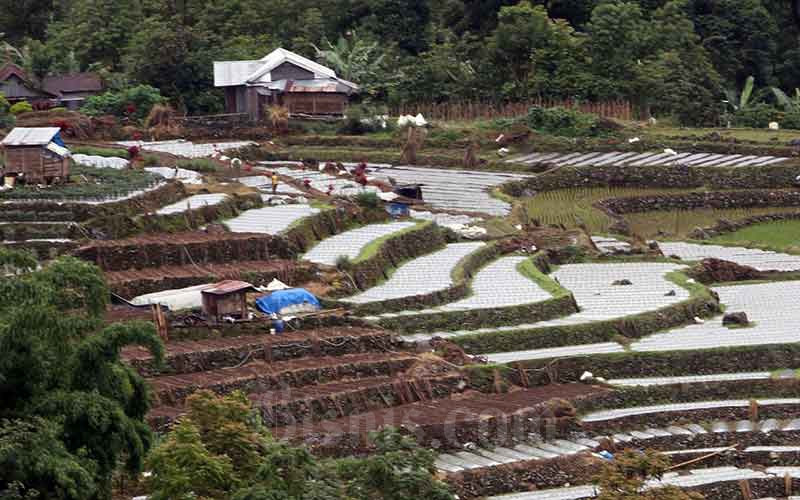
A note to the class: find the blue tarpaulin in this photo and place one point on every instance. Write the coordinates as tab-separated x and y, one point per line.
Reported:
289	301
58	140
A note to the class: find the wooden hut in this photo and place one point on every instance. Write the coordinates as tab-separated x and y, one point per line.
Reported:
282	78
226	298
35	155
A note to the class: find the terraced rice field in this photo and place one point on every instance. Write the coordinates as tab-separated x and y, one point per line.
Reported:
782	236
270	220
680	223
574	207
695	477
536	450
426	274
458	190
181	174
323	182
771	307
598	297
762	260
351	243
501	275
192	203
101	161
187	149
648	159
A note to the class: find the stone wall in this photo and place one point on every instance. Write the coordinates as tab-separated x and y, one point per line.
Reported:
728	226
666	364
81	212
664	176
124	225
697	200
555	307
183	249
275	348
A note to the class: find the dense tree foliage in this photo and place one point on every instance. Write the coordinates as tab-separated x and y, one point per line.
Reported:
70	412
433	50
220	450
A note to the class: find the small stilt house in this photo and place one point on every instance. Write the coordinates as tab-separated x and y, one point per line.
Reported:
282	78
35	156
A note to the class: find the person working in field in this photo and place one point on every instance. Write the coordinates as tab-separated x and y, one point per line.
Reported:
274	183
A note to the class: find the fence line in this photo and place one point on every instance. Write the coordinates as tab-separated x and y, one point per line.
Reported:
475	110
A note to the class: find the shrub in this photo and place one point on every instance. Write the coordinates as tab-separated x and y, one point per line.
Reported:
203	165
368	199
134	102
4	105
21	107
279	118
93	151
150	160
363	120
160	115
791	120
757	116
562	121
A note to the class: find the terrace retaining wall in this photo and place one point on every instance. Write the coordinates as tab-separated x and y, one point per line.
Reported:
725	226
693	201
80	212
123	225
629	327
665	176
664	364
183	249
273	348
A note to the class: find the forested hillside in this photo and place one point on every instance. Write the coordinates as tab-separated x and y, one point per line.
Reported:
673	57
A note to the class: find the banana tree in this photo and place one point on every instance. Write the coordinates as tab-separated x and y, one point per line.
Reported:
355	59
783	100
741	100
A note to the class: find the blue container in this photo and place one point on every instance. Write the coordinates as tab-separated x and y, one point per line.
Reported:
279	325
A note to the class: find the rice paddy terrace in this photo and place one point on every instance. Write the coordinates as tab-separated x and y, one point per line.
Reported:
588	327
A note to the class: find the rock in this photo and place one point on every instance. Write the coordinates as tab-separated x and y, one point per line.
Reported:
671	293
774	126
735	318
699	233
622	282
699	320
795	143
586	376
621	226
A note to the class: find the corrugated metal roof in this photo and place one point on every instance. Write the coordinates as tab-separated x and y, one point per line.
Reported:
323	85
59	150
22	136
77	82
228	286
280	56
233	73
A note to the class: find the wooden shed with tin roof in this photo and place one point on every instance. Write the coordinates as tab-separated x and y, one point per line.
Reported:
35	155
